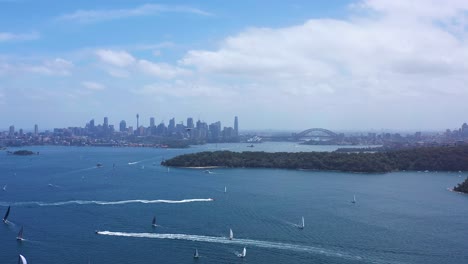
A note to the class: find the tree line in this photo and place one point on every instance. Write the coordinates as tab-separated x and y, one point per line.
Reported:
453	158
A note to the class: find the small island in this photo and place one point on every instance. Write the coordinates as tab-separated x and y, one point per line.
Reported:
462	187
415	159
22	153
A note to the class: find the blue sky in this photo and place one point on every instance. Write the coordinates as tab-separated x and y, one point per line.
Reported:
363	64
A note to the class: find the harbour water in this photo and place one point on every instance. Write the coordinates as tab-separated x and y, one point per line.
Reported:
61	198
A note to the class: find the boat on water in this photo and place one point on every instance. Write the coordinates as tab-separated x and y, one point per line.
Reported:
22	260
354	199
5	218
20	235
302	225
243	254
4	187
251	146
225	189
153	223
208	172
231	234
99	165
196	255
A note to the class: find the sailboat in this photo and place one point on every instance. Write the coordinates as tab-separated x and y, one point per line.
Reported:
242	255
302	224
196	255
4	187
20	235
153	224
22	260
231	234
225	189
5	218
354	199
168	170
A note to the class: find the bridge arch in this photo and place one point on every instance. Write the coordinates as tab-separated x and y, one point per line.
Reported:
326	132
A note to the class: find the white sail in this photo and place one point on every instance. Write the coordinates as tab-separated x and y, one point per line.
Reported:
225	189
303	223
231	234
22	260
354	199
20	234
4	187
244	252
195	255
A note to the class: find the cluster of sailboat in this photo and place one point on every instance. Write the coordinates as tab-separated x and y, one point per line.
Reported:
21	258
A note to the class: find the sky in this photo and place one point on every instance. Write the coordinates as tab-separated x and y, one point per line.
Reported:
339	65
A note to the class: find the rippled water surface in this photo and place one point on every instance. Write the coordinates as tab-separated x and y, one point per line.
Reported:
61	198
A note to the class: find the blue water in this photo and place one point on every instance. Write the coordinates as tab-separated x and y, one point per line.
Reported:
61	198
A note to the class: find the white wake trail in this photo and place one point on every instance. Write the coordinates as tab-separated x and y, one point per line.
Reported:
248	242
83	202
237	241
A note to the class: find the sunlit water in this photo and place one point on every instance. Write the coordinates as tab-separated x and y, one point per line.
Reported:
61	198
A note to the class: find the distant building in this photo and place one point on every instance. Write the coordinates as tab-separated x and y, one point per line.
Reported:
36	130
215	132
152	124
11	131
236	127
123	126
190	123
171	126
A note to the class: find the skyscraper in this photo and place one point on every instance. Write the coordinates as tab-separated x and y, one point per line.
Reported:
123	126
11	131
236	127
152	122
138	120
171	126
106	122
36	130
190	122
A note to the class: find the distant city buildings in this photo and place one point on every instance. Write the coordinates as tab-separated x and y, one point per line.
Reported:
105	134
200	132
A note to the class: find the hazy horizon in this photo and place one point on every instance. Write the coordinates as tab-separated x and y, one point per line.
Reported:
341	65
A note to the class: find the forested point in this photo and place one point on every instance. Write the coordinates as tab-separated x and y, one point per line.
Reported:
462	187
454	158
22	152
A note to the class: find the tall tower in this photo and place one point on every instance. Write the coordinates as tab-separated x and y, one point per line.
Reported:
36	130
106	122
138	124
152	123
236	126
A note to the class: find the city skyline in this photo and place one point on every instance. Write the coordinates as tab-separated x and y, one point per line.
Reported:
342	64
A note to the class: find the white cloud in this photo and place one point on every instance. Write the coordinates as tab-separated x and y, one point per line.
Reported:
161	70
57	66
122	63
183	89
7	36
88	16
93	86
115	58
341	57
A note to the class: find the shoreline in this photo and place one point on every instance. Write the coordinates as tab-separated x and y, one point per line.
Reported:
199	168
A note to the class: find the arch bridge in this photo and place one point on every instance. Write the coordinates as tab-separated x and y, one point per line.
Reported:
321	133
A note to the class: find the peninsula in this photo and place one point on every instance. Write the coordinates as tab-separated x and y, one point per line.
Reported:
462	187
22	152
415	159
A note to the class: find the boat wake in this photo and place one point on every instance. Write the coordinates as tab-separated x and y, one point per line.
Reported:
82	202
243	242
